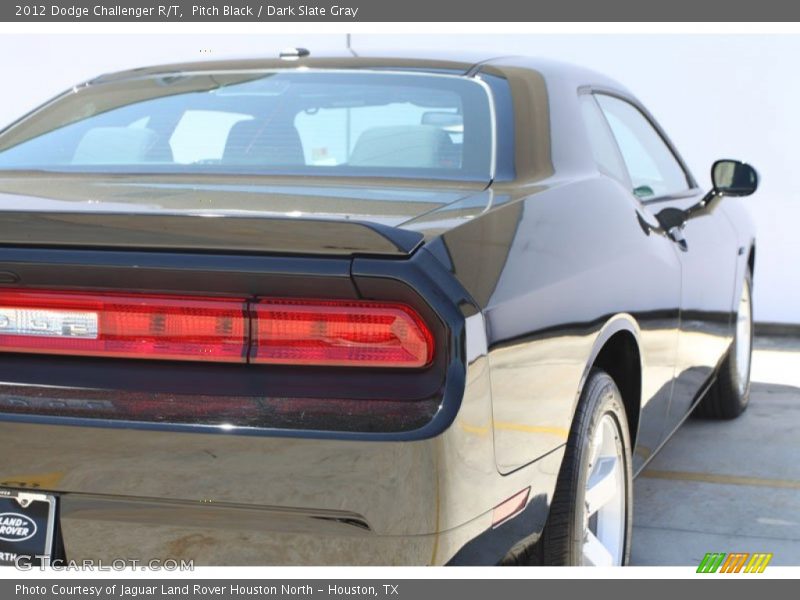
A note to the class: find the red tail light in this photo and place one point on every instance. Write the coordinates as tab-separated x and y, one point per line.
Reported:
339	333
140	326
284	331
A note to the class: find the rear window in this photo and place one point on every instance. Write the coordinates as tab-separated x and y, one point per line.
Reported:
381	124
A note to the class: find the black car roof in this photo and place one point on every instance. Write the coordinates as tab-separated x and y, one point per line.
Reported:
433	61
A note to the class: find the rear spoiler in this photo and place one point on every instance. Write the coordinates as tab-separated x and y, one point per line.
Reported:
226	233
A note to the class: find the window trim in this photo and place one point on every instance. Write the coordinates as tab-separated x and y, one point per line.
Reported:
693	189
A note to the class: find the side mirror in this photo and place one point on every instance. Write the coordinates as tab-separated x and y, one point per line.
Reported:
733	178
729	178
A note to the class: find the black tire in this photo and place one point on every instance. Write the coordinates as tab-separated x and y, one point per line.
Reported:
561	542
726	399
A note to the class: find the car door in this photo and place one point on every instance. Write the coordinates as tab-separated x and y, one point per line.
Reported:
654	294
706	246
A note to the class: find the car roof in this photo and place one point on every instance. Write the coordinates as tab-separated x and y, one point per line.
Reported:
432	61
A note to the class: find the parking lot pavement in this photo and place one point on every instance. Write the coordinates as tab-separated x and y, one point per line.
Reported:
729	486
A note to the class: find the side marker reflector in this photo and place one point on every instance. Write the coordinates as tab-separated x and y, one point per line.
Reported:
510	508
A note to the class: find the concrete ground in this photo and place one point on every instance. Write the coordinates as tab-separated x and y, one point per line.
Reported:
729	486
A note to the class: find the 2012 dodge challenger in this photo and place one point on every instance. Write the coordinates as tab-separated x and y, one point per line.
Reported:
355	310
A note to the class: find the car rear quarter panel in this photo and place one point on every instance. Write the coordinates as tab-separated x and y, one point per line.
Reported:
550	270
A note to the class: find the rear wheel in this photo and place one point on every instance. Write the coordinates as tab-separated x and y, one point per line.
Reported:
591	513
730	394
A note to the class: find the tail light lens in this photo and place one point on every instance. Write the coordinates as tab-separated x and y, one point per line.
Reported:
339	333
136	326
272	331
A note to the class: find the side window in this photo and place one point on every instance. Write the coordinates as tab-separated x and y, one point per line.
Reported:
604	148
653	169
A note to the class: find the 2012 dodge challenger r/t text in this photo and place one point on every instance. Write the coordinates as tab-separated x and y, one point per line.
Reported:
350	310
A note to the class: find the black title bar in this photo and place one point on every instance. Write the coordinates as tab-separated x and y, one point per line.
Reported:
400	11
731	588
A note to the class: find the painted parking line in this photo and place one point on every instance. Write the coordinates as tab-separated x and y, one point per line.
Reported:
721	479
508	426
484	429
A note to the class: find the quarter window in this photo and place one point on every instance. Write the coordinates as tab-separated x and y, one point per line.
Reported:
604	148
653	168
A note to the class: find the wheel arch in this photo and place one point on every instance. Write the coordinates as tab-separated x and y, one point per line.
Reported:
616	350
745	266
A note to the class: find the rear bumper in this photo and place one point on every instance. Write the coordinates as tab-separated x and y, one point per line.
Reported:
228	499
109	529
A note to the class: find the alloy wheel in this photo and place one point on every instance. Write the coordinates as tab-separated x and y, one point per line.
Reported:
604	498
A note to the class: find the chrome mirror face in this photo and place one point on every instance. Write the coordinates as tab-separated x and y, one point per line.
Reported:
733	178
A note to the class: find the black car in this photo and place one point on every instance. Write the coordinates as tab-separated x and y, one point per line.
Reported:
355	310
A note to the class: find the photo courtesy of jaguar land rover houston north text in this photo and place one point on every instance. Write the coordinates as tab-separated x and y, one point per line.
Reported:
334	309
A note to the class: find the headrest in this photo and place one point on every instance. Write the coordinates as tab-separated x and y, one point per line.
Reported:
254	142
114	146
411	146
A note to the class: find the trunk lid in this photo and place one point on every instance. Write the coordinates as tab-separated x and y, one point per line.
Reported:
214	213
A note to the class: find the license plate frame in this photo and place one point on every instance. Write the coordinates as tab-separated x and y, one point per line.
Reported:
27	526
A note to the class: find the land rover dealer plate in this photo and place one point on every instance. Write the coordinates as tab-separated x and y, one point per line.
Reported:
26	526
